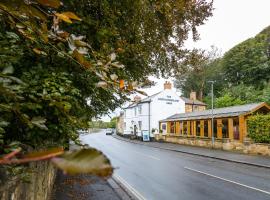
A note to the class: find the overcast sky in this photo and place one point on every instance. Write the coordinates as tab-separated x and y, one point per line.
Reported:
233	21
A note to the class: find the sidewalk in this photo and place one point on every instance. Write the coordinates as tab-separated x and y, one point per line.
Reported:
258	161
87	187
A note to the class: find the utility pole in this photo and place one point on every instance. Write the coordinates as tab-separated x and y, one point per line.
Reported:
212	112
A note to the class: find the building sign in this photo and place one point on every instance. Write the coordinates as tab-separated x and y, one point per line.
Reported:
146	136
168	100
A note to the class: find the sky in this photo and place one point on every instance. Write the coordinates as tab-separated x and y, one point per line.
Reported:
233	21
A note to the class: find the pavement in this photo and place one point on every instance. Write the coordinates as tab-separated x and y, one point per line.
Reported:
87	187
154	173
231	156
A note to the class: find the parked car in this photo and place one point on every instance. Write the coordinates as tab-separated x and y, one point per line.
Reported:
109	131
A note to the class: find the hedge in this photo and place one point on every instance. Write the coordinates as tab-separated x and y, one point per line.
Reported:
259	128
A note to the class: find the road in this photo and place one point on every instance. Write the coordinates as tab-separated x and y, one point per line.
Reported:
156	174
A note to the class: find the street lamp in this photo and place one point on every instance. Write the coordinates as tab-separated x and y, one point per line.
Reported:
212	112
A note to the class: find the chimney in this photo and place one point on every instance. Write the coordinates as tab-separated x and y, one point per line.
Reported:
137	98
167	85
192	96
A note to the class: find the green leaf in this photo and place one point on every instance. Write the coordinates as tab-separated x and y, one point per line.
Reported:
88	161
39	122
8	70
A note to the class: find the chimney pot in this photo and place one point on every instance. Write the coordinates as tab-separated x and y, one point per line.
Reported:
137	98
167	85
192	96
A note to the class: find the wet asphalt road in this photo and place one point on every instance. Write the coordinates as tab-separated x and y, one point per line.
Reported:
165	175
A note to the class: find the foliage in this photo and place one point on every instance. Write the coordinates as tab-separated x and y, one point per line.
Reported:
227	100
249	62
242	94
148	36
259	128
241	75
60	69
201	67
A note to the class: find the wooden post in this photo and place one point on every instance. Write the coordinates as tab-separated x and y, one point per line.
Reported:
209	128
230	127
177	128
219	128
168	128
188	127
242	128
194	128
180	127
202	128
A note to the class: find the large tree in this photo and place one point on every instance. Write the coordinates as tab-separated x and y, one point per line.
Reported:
63	63
200	67
249	61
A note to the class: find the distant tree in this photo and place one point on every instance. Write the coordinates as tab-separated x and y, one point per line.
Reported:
201	66
227	100
249	62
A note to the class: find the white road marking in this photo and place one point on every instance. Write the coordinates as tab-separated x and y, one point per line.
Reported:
149	156
243	185
129	187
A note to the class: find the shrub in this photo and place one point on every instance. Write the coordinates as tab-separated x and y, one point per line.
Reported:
259	128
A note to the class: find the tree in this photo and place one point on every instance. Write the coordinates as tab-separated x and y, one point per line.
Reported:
200	67
249	62
60	69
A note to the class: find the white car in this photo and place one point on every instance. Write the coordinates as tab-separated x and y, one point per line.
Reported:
109	131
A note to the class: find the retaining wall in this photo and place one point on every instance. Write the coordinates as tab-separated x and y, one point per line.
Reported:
42	176
247	146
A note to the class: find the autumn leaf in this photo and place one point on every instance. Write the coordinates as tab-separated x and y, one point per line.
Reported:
63	17
121	84
71	15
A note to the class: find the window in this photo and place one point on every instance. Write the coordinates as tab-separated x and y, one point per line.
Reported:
225	133
215	128
236	128
185	127
198	128
164	127
181	128
140	125
205	128
140	109
125	125
135	111
172	127
125	113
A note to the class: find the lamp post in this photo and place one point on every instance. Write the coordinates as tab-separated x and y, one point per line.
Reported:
212	112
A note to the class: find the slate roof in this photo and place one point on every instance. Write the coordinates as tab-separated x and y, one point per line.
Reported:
147	99
219	112
195	102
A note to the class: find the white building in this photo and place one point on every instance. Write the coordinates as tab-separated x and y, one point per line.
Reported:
145	114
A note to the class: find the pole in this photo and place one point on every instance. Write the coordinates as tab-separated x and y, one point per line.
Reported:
212	126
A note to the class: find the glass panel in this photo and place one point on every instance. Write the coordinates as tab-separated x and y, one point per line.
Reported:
236	128
198	128
205	128
225	132
185	127
215	128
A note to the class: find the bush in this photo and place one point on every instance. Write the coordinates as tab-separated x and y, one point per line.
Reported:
259	128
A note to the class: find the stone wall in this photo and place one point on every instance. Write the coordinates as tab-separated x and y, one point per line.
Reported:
42	176
247	146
